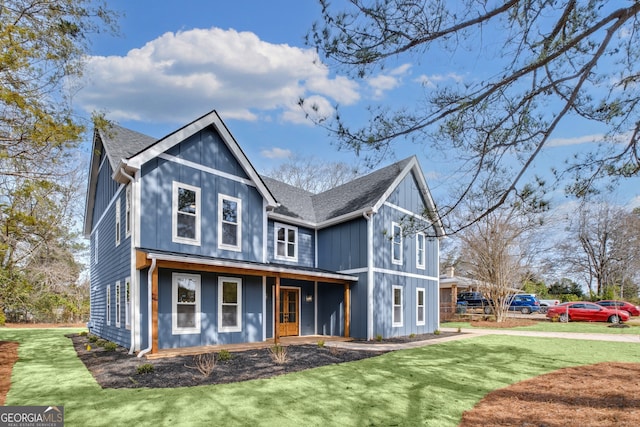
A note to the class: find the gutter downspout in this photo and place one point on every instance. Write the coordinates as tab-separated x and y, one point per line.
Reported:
132	321
150	332
370	276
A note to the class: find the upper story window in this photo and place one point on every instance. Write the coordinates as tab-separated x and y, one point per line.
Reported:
118	221
396	243
229	223
95	247
420	250
127	212
186	214
185	316
286	238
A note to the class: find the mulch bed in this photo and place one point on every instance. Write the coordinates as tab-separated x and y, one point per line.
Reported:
118	369
8	357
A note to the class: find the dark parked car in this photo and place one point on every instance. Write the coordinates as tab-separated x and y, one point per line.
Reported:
588	311
474	300
633	310
525	304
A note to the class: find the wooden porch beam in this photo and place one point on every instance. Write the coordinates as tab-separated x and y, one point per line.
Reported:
154	311
276	329
347	310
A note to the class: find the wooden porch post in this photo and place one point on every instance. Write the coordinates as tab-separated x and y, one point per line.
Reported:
276	332
347	310
154	311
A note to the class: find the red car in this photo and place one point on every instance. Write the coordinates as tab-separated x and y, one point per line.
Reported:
587	311
633	310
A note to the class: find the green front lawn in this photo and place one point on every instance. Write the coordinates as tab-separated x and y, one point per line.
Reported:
427	386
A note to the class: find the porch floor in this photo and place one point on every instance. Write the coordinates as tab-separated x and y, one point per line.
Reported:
190	351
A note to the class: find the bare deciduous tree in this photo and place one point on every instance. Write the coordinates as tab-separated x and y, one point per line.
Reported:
497	251
313	175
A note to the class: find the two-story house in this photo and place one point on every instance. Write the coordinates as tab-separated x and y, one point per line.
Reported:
190	246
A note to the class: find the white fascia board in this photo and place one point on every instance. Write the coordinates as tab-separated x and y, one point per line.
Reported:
180	135
323	224
424	189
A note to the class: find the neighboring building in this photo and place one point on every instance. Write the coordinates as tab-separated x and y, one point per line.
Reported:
190	246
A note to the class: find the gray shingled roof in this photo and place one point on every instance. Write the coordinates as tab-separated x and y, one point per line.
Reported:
351	197
294	202
122	143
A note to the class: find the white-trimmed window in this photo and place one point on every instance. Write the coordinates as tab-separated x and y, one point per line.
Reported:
186	214
127	303
397	306
229	304
127	211
420	251
118	221
118	315
286	238
396	243
229	223
95	247
108	305
420	306
185	316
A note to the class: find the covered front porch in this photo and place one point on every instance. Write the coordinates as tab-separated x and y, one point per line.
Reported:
278	299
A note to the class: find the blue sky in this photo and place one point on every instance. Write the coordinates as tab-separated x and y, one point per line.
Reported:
175	61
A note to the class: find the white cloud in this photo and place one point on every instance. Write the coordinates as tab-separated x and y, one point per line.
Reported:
388	81
179	76
276	153
584	139
433	80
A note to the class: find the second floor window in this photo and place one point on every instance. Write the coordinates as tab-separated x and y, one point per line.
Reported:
396	244
118	221
420	250
186	214
127	212
286	237
229	223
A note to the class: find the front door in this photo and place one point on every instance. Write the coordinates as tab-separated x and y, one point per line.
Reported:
289	313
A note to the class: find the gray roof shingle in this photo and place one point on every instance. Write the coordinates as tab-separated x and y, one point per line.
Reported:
122	143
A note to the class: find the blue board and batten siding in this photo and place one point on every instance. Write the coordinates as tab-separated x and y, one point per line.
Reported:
158	175
252	317
113	262
405	275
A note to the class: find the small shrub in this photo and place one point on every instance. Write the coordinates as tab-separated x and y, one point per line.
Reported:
205	363
101	343
278	354
3	319
321	343
378	337
224	355
436	332
145	368
412	335
84	333
110	346
93	338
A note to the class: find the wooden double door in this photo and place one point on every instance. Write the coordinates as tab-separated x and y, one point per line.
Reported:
289	312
